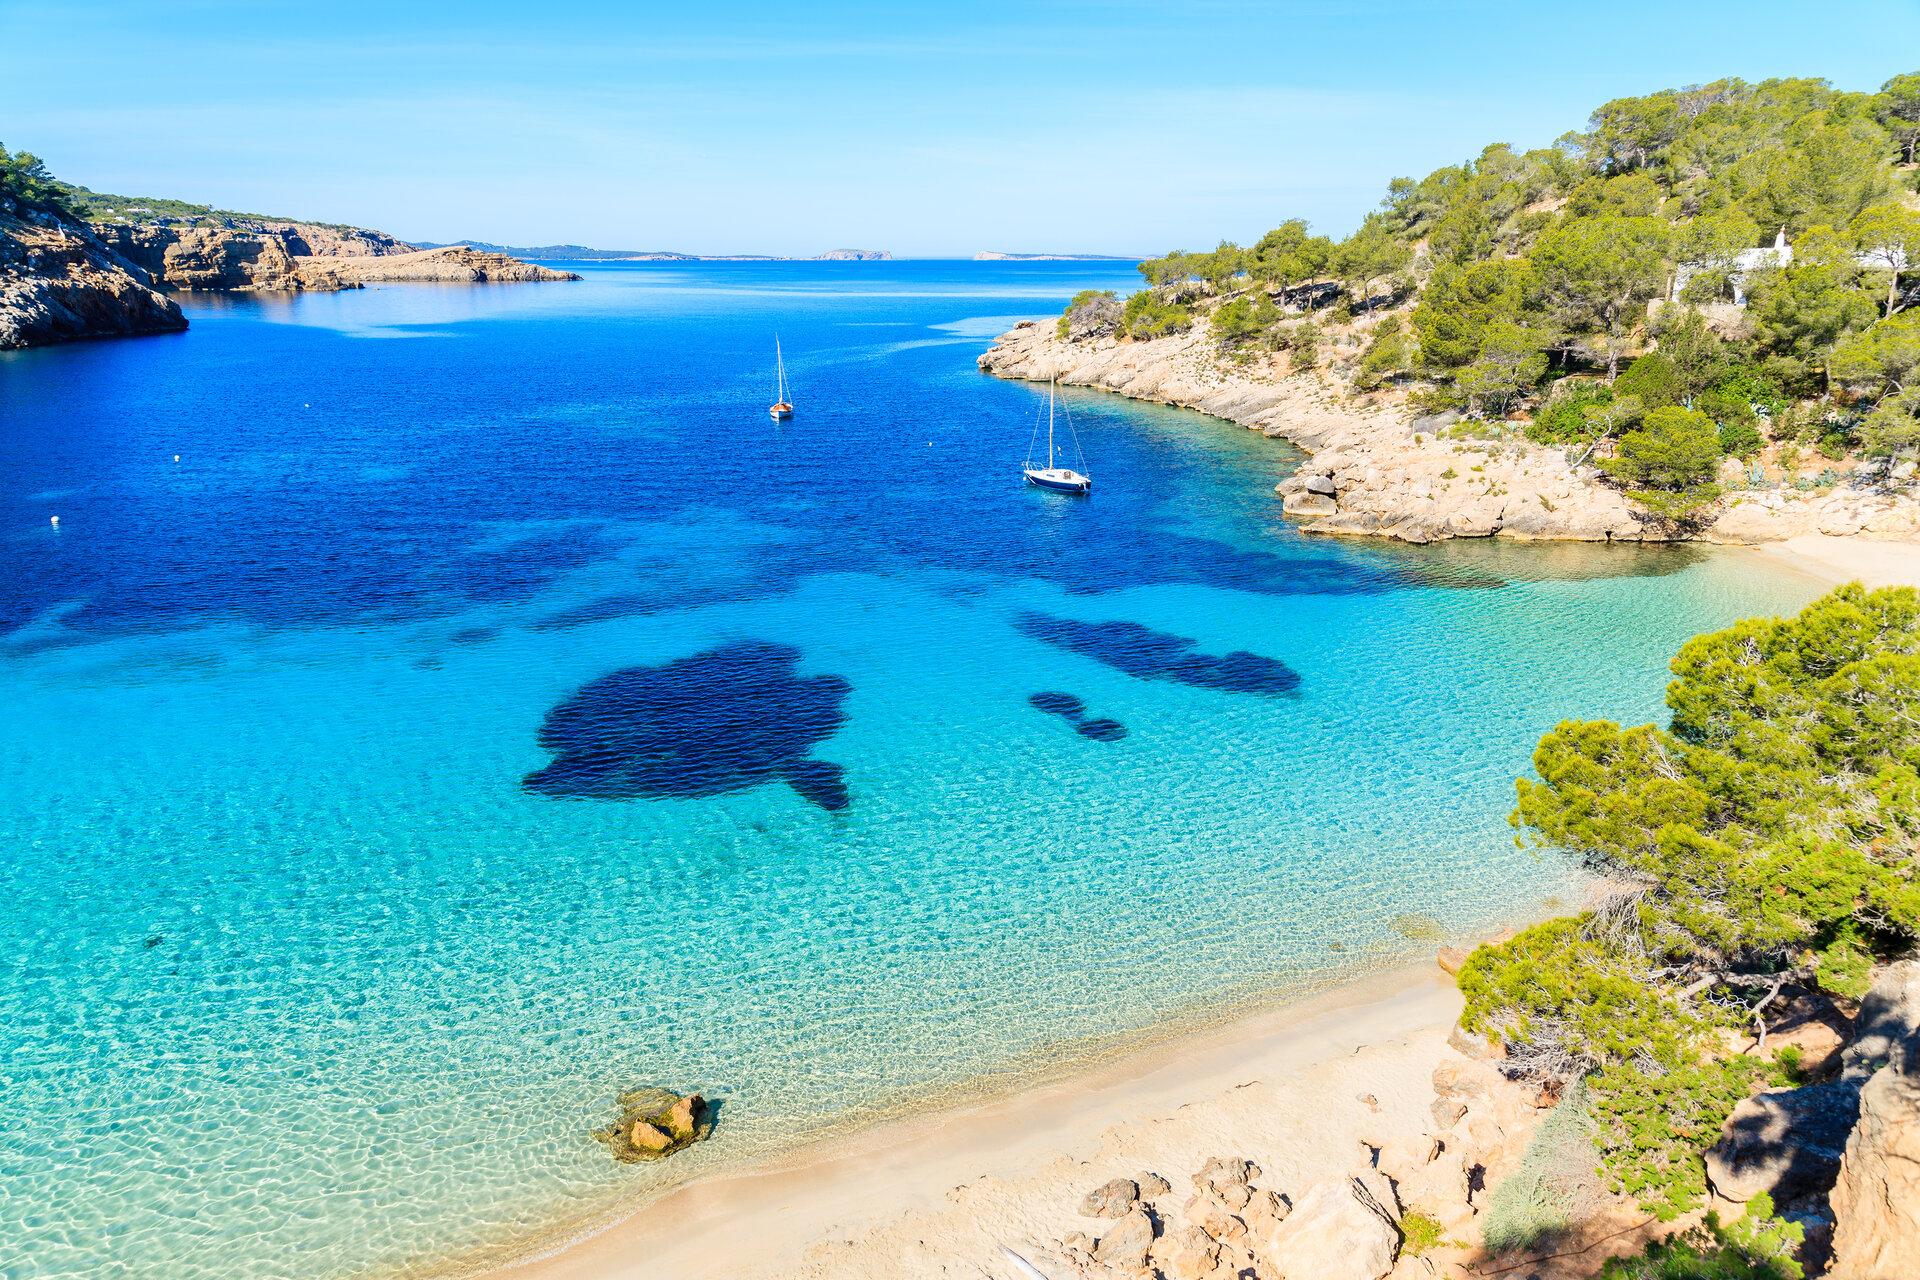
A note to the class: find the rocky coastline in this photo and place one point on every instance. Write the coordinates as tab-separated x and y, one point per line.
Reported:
1376	469
1838	1155
63	279
61	282
291	257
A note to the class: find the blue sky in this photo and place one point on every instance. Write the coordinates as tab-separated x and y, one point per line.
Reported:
926	129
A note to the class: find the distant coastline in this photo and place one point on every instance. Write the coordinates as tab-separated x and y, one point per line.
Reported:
581	253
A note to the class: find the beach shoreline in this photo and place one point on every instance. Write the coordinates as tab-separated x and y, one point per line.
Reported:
947	1187
1832	560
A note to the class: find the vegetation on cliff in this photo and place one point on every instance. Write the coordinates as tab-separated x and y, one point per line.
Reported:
1745	253
1767	839
25	182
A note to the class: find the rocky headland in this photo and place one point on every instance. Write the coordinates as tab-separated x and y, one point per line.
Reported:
60	281
1377	469
285	257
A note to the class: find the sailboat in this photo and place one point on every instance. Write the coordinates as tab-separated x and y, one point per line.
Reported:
781	407
1058	478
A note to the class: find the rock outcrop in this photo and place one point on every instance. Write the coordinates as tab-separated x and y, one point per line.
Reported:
655	1123
284	257
59	281
1339	1231
1784	1142
1376	471
1876	1200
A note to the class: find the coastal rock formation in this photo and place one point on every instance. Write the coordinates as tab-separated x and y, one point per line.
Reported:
59	282
282	257
1339	1231
1375	471
1784	1142
452	266
1876	1200
655	1123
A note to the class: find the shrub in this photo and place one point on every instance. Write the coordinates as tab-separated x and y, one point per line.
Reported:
1389	355
1654	1122
1093	313
1652	379
1740	440
1552	1188
1568	416
1245	321
1758	1246
1148	315
1675	449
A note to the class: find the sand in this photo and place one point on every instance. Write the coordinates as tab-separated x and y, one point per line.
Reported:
938	1195
1833	560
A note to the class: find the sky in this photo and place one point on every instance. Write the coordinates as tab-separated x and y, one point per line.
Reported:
925	129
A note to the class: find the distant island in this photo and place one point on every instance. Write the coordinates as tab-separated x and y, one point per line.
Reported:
580	253
990	255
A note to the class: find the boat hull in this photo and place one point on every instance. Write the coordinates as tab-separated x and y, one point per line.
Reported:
781	411
1051	484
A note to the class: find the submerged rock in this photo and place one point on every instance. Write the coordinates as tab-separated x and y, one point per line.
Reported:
655	1123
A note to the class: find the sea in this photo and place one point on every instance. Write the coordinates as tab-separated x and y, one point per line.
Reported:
427	712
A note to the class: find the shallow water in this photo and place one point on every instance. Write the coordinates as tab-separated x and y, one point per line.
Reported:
469	727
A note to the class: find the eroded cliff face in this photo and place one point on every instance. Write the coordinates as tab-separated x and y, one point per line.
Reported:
1375	470
59	281
289	257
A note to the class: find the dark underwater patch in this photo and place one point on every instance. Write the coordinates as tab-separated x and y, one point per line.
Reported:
473	635
1058	704
1147	654
1074	712
728	719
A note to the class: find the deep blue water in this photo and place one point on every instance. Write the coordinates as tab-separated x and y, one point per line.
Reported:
439	709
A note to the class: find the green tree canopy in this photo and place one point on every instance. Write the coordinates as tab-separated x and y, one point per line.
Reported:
1769	835
1461	302
1596	275
1674	449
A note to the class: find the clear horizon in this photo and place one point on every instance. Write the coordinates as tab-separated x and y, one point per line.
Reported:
1066	128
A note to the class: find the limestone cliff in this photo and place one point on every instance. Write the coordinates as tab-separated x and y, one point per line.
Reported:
1377	470
282	257
59	282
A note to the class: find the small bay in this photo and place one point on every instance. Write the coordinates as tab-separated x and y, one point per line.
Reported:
318	962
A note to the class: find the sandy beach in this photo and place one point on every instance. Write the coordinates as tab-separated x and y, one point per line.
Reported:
942	1193
1876	562
939	1195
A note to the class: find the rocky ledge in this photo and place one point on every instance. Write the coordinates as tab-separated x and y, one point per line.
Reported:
59	282
1376	470
287	257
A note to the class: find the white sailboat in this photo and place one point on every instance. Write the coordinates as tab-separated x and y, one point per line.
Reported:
1053	476
782	406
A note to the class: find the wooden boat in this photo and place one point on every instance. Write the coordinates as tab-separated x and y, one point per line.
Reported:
1054	476
782	406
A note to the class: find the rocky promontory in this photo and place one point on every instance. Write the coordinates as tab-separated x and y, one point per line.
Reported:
59	281
1377	469
285	257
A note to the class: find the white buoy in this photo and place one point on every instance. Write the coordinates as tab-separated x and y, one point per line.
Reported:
176	457
56	522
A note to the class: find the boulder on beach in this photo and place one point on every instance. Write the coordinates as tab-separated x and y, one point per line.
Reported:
654	1123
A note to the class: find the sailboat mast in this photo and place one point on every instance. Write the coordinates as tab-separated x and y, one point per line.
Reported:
779	373
1049	424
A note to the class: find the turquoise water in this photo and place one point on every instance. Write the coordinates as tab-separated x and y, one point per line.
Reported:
356	849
